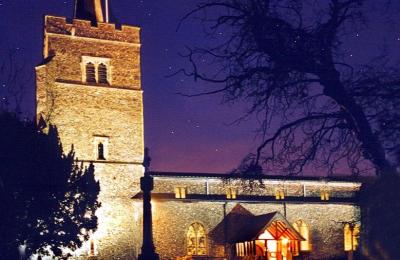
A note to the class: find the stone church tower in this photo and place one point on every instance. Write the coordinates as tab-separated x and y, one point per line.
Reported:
89	87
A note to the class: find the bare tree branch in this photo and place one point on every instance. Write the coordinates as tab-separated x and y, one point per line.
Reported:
291	74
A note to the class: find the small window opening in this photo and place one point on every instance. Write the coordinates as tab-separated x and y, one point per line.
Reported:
231	193
279	194
90	73
102	73
324	195
180	192
100	148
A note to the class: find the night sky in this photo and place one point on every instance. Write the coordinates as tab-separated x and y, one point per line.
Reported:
184	134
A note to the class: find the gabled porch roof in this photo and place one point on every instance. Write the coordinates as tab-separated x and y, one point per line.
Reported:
241	225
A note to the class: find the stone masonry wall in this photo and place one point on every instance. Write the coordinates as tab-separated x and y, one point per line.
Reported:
84	111
82	28
171	220
306	188
125	66
115	236
172	217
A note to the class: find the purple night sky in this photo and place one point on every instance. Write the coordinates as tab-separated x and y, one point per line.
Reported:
184	134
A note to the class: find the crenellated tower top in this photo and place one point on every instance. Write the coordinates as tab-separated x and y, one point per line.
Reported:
84	28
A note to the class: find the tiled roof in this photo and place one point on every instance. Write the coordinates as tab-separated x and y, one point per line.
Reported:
241	225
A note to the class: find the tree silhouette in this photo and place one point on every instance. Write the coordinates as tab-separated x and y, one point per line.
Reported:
284	58
48	200
286	61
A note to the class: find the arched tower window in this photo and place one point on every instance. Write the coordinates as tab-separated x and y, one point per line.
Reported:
196	240
90	73
100	151
302	228
351	236
102	69
96	70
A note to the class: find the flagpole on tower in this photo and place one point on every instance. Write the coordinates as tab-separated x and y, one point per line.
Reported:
75	7
107	17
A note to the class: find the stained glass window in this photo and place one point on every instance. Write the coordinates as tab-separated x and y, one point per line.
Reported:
302	228
196	240
351	236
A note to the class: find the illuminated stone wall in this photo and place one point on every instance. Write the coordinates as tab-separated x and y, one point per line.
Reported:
307	188
88	113
172	217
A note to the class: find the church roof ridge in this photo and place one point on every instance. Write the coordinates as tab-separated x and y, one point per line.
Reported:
263	177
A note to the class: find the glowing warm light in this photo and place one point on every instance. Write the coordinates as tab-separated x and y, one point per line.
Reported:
351	236
231	193
279	194
285	247
266	235
180	192
196	240
324	195
272	246
302	228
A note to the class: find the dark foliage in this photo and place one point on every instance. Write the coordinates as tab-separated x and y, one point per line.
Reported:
48	200
380	211
284	58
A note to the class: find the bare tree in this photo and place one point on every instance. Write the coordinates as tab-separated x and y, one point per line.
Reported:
286	61
284	58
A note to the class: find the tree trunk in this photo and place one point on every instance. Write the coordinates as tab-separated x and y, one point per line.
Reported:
371	147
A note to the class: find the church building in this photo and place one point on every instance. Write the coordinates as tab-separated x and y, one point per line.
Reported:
89	87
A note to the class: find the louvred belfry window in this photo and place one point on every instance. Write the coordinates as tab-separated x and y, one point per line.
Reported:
102	70
96	70
196	240
90	73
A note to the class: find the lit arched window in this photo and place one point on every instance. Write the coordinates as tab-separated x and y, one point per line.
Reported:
100	149
351	236
196	240
102	73
90	73
302	228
